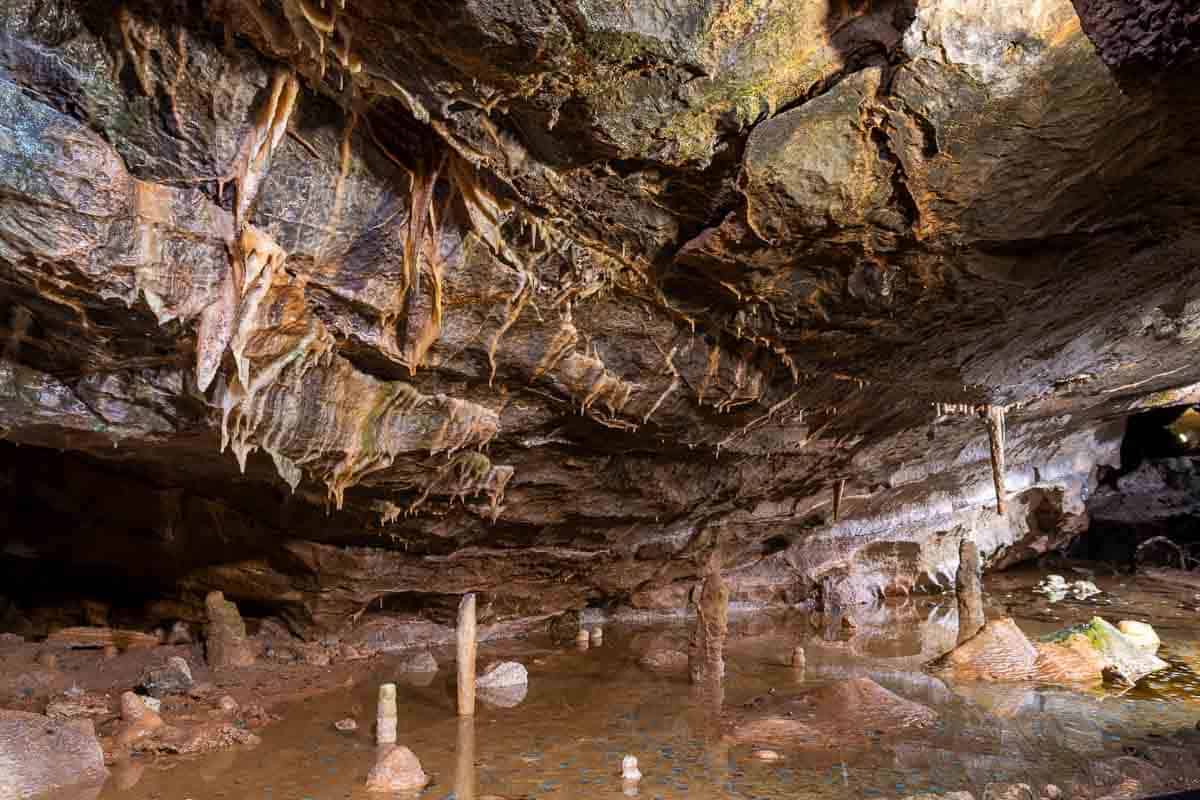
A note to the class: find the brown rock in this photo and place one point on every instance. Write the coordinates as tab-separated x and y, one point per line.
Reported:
81	637
40	754
138	721
226	644
999	652
396	770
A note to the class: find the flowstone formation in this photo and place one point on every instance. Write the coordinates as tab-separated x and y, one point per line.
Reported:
339	307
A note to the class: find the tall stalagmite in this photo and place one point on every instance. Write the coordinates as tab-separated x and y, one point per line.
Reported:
968	589
706	660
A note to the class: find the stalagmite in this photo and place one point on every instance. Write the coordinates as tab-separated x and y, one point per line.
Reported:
969	591
705	654
466	656
838	489
994	415
597	636
385	717
799	661
464	760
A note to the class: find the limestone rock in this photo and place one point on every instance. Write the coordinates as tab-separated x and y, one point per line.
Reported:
999	652
173	678
39	754
1141	634
396	770
1123	657
77	704
225	636
99	637
138	721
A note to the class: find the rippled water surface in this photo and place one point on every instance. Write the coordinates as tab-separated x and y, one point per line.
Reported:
586	709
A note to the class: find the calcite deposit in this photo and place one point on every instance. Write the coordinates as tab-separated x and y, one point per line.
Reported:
358	306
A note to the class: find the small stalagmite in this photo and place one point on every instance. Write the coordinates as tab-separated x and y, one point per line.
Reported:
969	591
706	651
467	645
799	661
597	636
582	639
385	717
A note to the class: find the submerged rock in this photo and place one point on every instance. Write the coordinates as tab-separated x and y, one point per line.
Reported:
1123	657
999	652
1081	654
1056	587
841	714
39	754
396	770
502	675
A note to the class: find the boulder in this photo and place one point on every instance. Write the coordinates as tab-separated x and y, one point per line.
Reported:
1122	657
226	644
1080	654
173	678
396	770
1141	634
39	754
999	652
137	720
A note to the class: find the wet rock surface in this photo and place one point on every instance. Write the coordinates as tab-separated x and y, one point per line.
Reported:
689	269
39	754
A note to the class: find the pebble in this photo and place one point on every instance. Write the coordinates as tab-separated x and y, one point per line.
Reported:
766	755
228	704
346	725
629	769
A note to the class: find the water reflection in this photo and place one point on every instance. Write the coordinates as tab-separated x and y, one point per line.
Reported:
583	711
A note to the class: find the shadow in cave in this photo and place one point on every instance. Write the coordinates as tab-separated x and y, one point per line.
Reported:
1147	510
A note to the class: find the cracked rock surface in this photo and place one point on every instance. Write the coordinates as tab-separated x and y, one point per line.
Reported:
328	306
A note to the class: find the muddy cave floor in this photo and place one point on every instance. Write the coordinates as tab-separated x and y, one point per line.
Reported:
585	709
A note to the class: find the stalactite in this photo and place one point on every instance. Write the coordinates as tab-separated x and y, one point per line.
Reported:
994	417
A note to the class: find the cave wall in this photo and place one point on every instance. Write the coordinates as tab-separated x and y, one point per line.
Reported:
548	300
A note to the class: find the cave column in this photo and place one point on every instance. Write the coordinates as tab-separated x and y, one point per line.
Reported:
467	646
706	652
968	589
